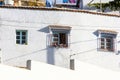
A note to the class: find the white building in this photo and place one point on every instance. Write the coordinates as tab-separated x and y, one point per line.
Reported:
55	36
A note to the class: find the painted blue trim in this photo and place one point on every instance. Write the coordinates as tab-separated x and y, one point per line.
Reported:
65	1
2	3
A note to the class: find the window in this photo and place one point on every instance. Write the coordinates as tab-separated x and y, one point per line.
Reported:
59	39
21	37
59	36
107	40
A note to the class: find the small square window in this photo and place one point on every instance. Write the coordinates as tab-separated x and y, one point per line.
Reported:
60	36
107	42
21	37
60	39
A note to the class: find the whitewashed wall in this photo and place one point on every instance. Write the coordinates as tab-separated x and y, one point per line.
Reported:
79	65
42	71
84	71
82	38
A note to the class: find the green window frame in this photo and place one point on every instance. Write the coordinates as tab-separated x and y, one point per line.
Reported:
21	37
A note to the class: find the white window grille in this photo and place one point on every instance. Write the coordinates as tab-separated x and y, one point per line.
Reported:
59	39
107	44
59	36
107	40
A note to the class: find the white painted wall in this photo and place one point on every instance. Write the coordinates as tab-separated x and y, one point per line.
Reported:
85	71
8	72
82	38
42	71
79	65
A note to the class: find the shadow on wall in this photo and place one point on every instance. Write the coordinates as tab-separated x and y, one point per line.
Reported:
45	30
50	50
96	33
24	55
50	56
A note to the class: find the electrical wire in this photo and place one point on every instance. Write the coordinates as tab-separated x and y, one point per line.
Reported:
39	23
83	52
24	55
50	23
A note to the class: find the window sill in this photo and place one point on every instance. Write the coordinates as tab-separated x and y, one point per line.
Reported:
22	44
105	50
60	46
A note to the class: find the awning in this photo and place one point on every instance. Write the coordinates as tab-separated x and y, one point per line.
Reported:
107	31
59	27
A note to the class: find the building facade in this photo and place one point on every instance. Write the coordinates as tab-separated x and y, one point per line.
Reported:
76	4
55	36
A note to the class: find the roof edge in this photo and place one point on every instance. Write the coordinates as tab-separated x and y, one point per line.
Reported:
58	9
